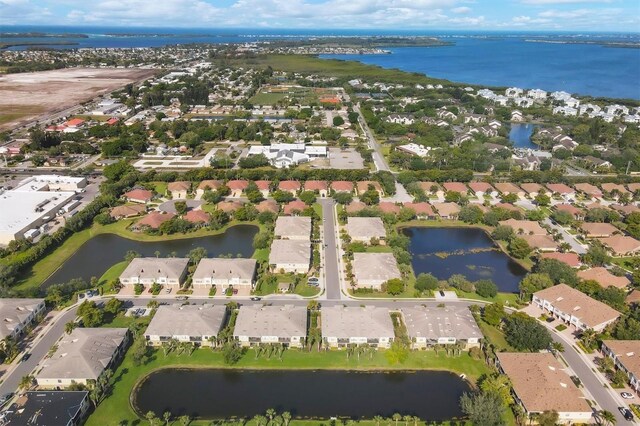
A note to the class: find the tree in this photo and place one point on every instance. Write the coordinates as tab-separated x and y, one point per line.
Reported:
166	416
426	282
151	417
525	333
396	418
397	353
308	197
542	200
91	314
519	248
548	418
370	197
394	286
343	197
70	326
534	282
558	272
338	121
460	282
181	207
607	417
184	420
470	214
499	385
493	314
286	416
231	353
114	172
597	255
481	408
486	288
25	382
113	306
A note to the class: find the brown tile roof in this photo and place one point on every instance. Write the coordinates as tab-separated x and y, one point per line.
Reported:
229	206
633	297
179	186
389	207
447	209
196	216
560	188
541	383
316	185
540	242
569	208
289	185
342	186
455	187
625	210
263	185
588	189
355	206
531	187
139	194
597	229
608	187
507	188
154	219
527	226
237	185
481	187
363	186
571	301
627	352
426	186
508	206
570	259
127	211
268	206
603	277
621	244
633	187
211	184
294	206
421	209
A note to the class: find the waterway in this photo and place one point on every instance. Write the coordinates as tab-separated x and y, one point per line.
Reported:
220	394
101	252
444	252
520	135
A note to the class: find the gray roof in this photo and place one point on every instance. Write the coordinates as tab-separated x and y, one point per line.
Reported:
290	251
152	267
221	268
14	312
187	320
280	321
365	227
435	322
293	227
83	354
375	266
346	322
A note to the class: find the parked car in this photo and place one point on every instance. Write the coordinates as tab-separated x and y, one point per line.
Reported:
181	298
5	398
626	395
314	280
256	298
626	413
25	357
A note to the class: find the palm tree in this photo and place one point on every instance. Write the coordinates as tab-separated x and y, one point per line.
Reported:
286	417
185	420
151	417
166	416
407	419
271	413
396	418
588	336
557	347
26	382
607	417
157	253
260	420
68	327
378	419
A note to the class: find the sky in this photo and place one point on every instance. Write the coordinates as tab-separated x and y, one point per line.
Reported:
525	15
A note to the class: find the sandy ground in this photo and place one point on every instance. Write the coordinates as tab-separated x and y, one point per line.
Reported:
29	96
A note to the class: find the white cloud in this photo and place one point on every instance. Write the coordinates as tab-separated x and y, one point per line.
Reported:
461	10
552	2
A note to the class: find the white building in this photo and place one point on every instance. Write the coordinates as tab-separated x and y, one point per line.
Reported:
369	325
150	270
188	323
224	273
17	314
284	155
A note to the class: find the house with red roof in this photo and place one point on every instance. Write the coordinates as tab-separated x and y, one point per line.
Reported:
364	185
210	185
294	207
389	207
342	186
482	188
506	188
153	220
355	207
422	210
229	206
74	123
138	195
197	217
570	259
237	187
290	186
574	211
561	189
179	190
268	206
458	187
320	187
432	188
532	189
112	121
264	186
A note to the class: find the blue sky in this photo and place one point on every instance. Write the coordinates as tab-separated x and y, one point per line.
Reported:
570	15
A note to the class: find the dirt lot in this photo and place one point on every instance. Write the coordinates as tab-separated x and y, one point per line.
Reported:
29	96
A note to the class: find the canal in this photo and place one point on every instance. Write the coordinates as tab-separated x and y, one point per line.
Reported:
444	252
101	252
222	394
520	135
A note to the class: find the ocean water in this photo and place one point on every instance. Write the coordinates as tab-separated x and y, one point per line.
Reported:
490	58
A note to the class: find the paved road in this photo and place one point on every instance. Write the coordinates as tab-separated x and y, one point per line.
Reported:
583	369
378	158
331	267
566	236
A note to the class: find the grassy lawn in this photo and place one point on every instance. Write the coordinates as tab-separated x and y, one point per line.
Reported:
49	264
495	336
160	187
117	408
507	299
112	273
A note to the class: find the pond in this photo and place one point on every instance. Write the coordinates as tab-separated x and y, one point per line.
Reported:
520	135
468	251
101	252
219	394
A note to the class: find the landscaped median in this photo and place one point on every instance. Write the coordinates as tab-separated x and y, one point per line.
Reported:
117	409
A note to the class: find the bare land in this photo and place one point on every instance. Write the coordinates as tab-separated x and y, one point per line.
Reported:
33	96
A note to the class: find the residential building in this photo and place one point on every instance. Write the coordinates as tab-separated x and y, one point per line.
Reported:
55	408
605	278
224	273
18	314
179	190
294	207
153	220
130	210
540	242
82	356
532	189
598	229
293	227
372	270
198	324
541	383
422	210
365	185
237	187
342	186
364	229
290	186
626	357
571	259
205	185
575	308
366	325
290	256
428	326
138	195
447	210
285	325
589	190
321	187
524	227
458	187
150	270
622	245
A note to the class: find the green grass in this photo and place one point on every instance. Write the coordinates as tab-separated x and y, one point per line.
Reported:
495	336
117	408
112	273
507	299
160	187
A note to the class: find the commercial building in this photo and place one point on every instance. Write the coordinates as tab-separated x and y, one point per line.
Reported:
540	383
370	325
374	269
149	270
224	273
286	325
363	229
290	256
52	183
55	408
293	227
189	323
626	357
428	326
575	308
17	314
82	356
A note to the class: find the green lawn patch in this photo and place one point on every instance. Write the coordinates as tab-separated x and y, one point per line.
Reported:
561	327
495	337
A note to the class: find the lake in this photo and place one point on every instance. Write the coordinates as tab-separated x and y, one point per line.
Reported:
520	135
220	394
469	251
101	252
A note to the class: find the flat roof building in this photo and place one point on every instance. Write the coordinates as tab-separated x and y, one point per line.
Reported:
541	383
428	326
286	325
370	325
374	269
189	323
82	356
293	227
52	183
363	229
48	408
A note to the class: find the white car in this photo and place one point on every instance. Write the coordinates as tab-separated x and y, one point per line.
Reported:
626	395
